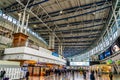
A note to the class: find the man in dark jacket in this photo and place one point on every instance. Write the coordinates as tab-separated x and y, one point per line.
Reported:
92	77
27	75
84	74
111	76
2	74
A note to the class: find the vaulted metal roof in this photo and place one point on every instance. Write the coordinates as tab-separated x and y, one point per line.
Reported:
77	23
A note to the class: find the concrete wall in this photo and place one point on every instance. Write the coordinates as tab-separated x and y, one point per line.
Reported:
26	53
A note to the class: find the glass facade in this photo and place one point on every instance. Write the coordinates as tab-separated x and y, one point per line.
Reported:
108	37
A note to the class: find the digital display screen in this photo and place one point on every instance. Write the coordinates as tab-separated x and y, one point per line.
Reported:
79	63
107	53
101	56
115	48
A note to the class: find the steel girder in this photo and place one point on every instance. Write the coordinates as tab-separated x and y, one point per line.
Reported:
87	36
74	45
73	23
66	18
77	34
88	41
82	37
77	40
17	7
73	9
86	27
76	31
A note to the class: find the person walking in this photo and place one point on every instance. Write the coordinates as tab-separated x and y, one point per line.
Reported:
111	76
84	75
92	77
2	74
27	75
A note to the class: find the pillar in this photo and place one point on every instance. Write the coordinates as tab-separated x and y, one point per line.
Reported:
115	17
20	37
22	22
51	41
60	49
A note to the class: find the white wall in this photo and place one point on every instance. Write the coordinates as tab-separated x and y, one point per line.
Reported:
32	54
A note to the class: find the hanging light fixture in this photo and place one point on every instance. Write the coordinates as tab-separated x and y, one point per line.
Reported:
61	12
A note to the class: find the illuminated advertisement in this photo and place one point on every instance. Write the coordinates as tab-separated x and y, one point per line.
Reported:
79	63
107	53
101	56
116	46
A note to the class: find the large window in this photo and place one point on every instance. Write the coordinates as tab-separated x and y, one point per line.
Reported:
114	28
115	34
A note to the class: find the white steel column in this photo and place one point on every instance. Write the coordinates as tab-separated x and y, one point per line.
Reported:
51	41
23	20
26	24
115	16
22	27
60	48
18	26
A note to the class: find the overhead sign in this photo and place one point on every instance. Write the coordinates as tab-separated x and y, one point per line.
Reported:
79	63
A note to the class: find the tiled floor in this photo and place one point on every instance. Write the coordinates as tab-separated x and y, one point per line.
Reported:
69	76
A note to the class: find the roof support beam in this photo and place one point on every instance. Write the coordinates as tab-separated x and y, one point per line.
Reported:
16	6
73	9
77	34
28	10
86	27
66	18
73	23
88	41
75	45
77	31
94	36
77	40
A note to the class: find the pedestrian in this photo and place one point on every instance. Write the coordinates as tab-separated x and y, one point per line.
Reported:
99	73
2	74
111	76
27	75
84	74
92	77
96	71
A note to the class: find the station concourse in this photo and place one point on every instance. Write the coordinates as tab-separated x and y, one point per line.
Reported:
59	39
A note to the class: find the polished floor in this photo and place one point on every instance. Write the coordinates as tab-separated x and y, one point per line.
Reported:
77	76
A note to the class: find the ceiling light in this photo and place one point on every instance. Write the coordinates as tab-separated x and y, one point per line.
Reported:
35	26
19	14
68	25
61	12
93	13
